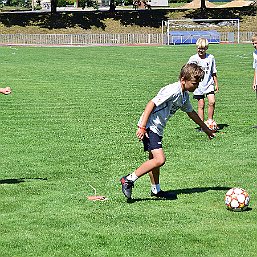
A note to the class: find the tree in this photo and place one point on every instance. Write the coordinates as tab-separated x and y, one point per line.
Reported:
53	6
203	5
112	5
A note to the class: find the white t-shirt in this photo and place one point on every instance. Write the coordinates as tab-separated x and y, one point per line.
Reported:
209	66
169	99
255	63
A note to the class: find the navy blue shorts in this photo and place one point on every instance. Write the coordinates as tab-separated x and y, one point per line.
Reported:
198	97
153	142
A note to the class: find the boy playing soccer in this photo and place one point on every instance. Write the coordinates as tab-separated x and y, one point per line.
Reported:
153	120
254	40
209	85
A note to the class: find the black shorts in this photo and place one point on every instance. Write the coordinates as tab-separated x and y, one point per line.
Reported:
153	142
198	97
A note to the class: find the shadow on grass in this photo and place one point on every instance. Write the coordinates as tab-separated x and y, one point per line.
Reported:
248	209
220	13
221	126
197	190
174	193
89	19
84	19
18	180
173	197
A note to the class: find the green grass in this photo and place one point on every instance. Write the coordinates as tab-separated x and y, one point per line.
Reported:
70	123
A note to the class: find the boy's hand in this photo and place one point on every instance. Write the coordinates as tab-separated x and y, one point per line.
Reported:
216	89
194	116
210	133
5	91
141	132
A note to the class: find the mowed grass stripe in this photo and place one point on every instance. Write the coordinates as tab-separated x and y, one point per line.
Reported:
70	124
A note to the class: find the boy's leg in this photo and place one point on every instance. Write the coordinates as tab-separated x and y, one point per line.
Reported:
158	156
155	183
201	104
156	160
211	105
154	173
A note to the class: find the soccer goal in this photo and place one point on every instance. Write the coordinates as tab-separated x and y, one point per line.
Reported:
187	31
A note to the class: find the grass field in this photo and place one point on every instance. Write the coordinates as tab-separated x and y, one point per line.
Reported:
70	124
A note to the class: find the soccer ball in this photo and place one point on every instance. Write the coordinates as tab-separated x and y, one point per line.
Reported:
211	124
237	199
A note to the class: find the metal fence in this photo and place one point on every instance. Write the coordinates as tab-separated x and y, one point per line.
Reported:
102	39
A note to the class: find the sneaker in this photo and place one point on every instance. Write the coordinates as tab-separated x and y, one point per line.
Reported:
126	186
163	194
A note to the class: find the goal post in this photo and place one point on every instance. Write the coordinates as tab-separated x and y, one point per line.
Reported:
189	30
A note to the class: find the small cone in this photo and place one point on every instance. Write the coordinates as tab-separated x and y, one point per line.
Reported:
96	198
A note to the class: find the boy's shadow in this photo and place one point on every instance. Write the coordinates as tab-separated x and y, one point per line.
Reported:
174	193
220	126
18	180
197	190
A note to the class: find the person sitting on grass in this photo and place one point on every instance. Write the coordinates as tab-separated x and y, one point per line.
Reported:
5	90
152	123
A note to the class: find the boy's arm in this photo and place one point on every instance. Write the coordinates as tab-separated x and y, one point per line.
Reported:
142	127
194	116
214	75
254	80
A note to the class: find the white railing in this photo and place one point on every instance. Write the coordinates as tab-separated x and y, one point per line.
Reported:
102	39
79	39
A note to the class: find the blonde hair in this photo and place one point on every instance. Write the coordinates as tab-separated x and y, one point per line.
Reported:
191	71
202	43
254	38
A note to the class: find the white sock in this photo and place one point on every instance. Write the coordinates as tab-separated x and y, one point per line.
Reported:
133	177
156	188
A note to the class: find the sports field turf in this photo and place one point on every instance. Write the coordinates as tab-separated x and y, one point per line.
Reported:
70	124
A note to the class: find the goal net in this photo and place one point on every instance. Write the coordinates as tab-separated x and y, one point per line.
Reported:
187	31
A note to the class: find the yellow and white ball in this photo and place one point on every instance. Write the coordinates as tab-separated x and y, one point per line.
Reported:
237	199
212	125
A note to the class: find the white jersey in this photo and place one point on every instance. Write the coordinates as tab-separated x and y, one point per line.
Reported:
255	62
167	101
209	66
